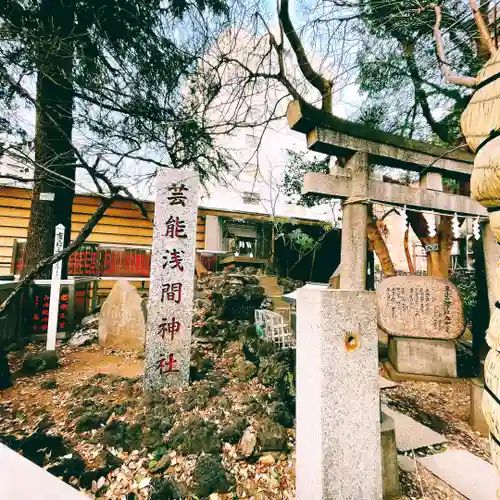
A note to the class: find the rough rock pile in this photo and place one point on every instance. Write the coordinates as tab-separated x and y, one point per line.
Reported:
230	434
228	296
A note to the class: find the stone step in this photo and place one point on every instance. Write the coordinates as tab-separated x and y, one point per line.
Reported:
272	290
23	480
284	312
268	281
278	302
410	434
471	476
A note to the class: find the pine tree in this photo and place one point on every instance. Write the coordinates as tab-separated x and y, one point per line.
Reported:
117	72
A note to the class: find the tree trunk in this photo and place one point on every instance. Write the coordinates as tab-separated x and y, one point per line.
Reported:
200	268
411	268
380	249
438	261
52	199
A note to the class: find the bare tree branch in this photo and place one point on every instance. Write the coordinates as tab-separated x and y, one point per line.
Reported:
322	84
481	26
449	76
281	75
65	252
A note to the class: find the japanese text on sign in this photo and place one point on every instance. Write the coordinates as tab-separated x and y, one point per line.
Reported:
172	280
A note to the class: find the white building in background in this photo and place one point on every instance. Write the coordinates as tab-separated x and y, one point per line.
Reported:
257	183
260	152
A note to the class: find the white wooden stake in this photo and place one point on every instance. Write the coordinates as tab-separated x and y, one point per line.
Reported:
54	290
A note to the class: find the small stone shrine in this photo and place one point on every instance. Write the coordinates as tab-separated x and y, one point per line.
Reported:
121	321
170	303
423	316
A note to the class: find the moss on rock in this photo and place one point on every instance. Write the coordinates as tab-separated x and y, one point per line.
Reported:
160	466
280	413
252	406
243	370
195	435
165	488
88	391
40	361
271	436
224	402
89	421
199	395
234	431
48	384
90	415
210	476
123	435
273	369
256	348
200	364
155	399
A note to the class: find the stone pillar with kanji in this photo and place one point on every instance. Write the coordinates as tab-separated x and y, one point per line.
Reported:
170	303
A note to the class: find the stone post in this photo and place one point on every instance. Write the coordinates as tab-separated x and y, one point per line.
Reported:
354	223
338	409
170	302
432	180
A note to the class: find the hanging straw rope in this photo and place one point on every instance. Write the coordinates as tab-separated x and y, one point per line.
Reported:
480	123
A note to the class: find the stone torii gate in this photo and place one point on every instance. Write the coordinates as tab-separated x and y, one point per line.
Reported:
362	146
338	441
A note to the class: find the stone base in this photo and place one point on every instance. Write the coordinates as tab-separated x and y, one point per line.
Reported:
423	357
476	416
391	488
396	376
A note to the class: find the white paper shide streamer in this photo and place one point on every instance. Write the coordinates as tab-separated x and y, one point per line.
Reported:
431	223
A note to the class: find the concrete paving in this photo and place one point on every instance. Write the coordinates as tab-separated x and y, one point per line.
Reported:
21	479
469	475
407	464
410	435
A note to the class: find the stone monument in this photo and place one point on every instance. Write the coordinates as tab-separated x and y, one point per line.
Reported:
170	303
423	316
121	321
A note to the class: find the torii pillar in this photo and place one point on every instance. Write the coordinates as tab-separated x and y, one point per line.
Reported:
354	222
